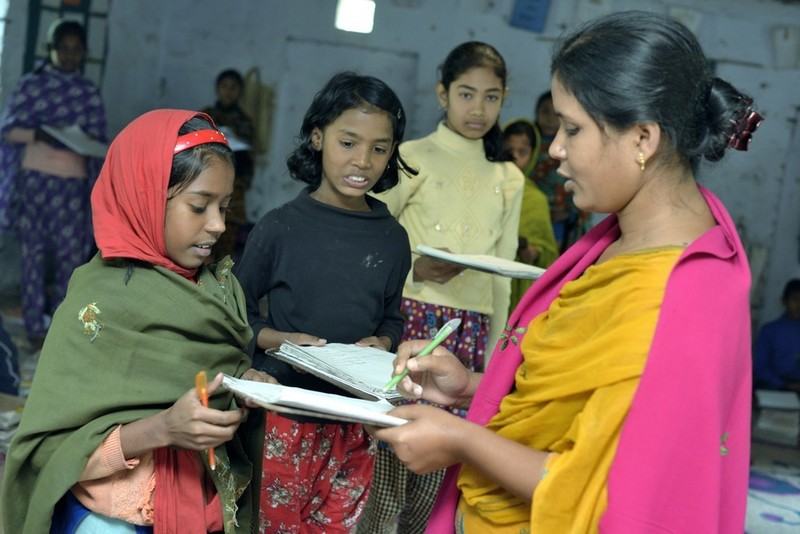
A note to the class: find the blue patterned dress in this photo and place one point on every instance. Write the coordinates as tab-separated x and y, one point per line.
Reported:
49	214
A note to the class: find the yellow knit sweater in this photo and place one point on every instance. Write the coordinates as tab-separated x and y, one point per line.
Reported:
467	204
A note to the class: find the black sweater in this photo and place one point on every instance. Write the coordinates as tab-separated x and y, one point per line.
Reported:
332	273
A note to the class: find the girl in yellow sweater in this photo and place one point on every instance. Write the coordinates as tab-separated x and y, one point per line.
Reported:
466	200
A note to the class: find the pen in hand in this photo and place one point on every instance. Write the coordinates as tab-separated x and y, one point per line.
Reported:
448	328
201	385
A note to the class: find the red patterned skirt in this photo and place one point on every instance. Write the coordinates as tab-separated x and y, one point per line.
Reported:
314	477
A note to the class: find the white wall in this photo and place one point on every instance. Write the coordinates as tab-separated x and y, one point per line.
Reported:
168	53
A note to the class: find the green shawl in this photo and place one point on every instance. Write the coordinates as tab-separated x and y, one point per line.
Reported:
125	344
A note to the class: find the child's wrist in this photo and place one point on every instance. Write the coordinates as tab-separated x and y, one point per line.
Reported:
160	430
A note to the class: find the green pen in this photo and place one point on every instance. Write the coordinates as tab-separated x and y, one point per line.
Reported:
448	328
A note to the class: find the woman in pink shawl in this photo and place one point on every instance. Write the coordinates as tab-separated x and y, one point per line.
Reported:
618	399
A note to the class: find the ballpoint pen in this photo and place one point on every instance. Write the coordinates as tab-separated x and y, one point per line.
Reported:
201	384
448	328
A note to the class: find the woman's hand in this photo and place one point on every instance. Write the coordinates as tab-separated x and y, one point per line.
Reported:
438	377
429	441
426	268
379	342
190	425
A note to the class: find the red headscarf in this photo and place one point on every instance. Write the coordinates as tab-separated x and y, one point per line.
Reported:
128	206
129	199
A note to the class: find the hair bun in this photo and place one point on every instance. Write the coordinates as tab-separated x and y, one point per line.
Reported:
730	120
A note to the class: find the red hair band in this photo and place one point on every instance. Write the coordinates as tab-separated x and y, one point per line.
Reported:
200	137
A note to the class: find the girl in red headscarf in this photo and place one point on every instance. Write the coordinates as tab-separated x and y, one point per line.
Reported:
112	437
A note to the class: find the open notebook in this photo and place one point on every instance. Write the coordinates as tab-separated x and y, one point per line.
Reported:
488	264
363	371
313	403
76	140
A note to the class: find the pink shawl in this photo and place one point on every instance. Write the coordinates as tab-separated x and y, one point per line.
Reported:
682	460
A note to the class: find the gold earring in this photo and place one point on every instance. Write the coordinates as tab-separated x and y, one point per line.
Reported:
640	159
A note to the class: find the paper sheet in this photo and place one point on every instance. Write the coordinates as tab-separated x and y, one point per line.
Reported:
76	140
362	371
314	403
481	262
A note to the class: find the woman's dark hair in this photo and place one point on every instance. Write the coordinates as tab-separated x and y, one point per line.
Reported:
188	164
348	90
468	56
633	67
520	127
62	28
544	97
231	74
791	287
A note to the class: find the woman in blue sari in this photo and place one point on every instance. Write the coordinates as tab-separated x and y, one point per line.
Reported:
44	187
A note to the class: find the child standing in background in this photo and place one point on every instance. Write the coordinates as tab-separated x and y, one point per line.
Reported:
466	200
537	244
113	437
227	113
331	263
569	223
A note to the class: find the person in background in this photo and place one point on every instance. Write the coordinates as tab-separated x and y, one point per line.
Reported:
466	198
619	399
231	119
537	243
777	349
568	221
44	186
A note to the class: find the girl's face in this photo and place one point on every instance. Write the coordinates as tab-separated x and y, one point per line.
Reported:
521	150
546	117
792	304
195	217
67	55
356	148
472	102
600	167
228	91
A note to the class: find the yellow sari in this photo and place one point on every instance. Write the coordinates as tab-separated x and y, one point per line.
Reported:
582	362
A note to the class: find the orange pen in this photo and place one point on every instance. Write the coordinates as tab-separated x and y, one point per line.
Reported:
201	385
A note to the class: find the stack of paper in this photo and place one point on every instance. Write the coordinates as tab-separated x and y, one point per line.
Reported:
480	262
778	420
313	403
363	371
76	140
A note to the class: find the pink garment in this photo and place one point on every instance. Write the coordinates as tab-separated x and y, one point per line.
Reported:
682	461
115	487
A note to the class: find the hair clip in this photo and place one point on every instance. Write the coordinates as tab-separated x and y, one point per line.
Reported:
199	137
744	127
400	114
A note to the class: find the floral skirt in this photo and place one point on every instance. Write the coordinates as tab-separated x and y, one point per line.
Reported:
314	477
468	343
